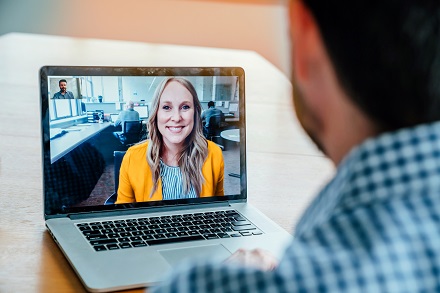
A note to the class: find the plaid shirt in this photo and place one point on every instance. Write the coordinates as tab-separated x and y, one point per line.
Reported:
374	228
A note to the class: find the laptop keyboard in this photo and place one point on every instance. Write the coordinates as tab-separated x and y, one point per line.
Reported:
122	234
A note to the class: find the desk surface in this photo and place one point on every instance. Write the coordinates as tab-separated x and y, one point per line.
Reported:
231	134
282	162
75	136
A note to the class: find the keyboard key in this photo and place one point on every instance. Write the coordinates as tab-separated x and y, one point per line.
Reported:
124	245
147	237
138	244
96	237
210	236
246	233
112	246
103	241
242	228
174	240
240	223
82	224
99	247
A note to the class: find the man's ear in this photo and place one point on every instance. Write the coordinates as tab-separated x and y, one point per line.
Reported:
305	38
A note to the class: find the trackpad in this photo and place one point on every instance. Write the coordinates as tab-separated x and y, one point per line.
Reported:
175	256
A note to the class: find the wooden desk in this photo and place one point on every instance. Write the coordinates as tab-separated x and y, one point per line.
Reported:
284	169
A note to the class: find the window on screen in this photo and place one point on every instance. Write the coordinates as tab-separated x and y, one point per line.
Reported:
62	108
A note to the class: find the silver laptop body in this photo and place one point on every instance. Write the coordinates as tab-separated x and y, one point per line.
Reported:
80	186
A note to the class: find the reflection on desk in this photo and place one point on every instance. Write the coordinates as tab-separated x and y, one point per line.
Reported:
80	133
231	134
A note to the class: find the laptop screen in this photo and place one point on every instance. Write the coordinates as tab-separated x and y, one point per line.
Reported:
129	137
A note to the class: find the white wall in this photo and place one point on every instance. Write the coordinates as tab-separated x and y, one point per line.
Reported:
258	25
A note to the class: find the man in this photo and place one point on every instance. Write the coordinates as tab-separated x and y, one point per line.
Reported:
129	114
63	93
367	92
212	111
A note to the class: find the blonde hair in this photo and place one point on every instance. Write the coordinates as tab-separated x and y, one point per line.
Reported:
195	151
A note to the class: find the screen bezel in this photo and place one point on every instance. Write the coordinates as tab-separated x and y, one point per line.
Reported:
48	71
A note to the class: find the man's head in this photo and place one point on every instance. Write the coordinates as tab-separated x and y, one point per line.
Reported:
211	104
129	105
63	85
374	64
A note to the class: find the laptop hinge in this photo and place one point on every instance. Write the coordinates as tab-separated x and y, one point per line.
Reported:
134	211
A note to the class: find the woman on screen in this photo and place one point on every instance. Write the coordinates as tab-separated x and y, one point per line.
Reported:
177	162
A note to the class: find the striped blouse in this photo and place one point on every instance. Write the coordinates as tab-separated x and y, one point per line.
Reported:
172	183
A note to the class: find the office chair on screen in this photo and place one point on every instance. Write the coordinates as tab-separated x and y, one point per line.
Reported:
131	133
118	156
212	132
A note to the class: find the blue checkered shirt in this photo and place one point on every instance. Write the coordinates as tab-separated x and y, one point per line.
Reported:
374	228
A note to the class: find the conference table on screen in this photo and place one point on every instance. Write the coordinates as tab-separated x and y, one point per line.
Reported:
284	169
73	137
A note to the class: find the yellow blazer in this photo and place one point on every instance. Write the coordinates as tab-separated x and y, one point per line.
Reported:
136	178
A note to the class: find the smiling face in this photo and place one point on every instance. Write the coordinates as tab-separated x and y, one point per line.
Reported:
175	115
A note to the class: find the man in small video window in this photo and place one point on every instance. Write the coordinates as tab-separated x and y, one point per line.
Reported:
212	111
63	93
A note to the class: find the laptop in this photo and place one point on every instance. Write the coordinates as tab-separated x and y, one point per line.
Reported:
122	246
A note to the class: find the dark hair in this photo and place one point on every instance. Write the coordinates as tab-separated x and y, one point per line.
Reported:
386	55
211	104
62	80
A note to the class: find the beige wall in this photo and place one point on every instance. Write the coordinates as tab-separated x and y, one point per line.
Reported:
258	25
